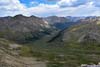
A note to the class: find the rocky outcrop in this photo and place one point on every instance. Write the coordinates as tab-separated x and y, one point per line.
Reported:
11	57
22	28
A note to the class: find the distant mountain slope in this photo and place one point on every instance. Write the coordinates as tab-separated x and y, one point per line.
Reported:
55	19
60	22
21	28
67	45
76	45
88	27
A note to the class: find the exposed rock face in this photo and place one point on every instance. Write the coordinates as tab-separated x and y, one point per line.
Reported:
21	27
60	22
55	19
11	57
85	31
11	61
21	23
90	37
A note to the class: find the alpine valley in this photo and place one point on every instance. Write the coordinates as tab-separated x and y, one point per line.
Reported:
49	41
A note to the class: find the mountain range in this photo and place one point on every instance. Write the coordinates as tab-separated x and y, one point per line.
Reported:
56	41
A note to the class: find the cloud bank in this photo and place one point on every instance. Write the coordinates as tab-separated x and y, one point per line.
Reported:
60	8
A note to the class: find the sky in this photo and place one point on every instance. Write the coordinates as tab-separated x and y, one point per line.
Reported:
44	8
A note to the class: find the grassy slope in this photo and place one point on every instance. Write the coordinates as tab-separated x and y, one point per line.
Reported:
71	53
67	53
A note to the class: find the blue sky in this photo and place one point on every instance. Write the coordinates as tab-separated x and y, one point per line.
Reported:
44	8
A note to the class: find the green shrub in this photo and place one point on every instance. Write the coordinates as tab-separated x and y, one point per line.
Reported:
26	51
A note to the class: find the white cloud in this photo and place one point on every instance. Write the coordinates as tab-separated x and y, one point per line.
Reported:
72	3
33	3
87	9
65	3
43	9
13	7
75	3
96	3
